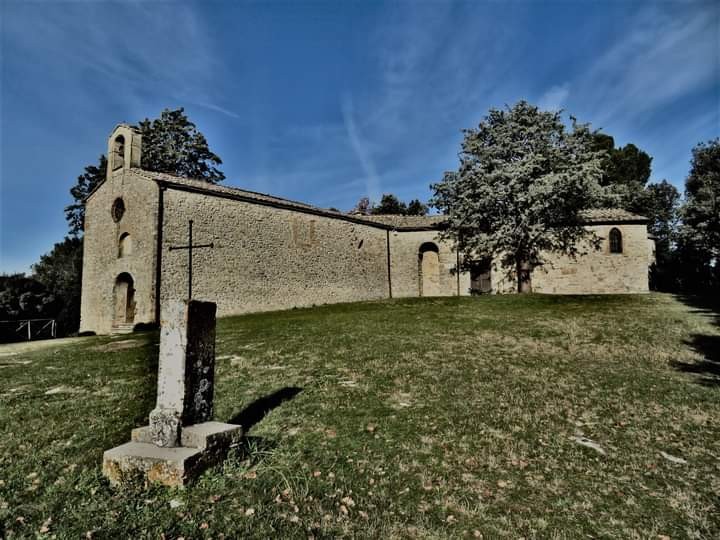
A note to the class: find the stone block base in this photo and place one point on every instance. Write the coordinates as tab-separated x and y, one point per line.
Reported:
202	445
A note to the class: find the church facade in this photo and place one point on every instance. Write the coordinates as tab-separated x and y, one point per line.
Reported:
266	253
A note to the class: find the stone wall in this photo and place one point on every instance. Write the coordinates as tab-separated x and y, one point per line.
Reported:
268	258
101	261
597	272
406	267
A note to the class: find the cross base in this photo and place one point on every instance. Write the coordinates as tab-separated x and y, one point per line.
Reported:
202	445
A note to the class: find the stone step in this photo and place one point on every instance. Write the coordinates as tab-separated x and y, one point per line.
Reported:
203	445
204	436
122	328
168	466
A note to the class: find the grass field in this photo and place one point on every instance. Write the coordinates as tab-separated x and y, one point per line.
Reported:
399	419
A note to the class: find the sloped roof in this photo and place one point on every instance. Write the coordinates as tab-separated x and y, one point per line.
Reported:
612	215
407	223
215	188
383	222
400	222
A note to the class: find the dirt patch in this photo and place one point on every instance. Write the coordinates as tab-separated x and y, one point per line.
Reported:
64	390
121	345
11	349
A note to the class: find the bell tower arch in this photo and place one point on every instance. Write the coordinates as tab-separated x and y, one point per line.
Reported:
124	149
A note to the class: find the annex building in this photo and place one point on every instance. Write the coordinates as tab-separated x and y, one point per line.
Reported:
270	253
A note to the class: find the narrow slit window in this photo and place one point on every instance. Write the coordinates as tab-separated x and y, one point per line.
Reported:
616	241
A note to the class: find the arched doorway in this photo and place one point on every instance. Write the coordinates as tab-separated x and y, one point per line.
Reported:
124	295
429	270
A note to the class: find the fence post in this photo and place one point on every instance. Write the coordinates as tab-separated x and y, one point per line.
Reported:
29	332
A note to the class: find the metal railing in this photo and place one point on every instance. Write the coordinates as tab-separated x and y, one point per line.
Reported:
33	328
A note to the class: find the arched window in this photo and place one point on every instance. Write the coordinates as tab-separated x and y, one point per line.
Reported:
615	240
124	245
118	153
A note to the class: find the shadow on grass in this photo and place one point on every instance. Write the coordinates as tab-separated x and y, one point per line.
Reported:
709	307
708	346
259	408
709	367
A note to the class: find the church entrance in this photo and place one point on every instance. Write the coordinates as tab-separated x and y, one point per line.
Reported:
480	277
429	270
124	295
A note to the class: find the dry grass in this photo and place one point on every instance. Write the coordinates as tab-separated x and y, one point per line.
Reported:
403	419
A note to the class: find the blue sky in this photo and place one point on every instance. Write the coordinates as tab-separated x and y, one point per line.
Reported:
327	102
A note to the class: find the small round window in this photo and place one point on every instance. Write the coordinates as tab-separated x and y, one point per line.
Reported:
118	210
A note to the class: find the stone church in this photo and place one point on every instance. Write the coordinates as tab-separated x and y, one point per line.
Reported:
270	253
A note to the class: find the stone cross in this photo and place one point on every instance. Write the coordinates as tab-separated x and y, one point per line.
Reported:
190	246
186	372
182	439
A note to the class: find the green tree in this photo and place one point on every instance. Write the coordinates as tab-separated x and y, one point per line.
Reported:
23	297
60	272
520	190
93	176
416	208
626	171
701	212
699	235
661	204
389	205
171	144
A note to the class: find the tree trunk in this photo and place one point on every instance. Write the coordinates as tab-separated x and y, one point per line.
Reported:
523	276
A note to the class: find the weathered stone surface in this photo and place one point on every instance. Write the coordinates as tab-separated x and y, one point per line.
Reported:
187	369
202	445
207	435
136	461
164	429
211	436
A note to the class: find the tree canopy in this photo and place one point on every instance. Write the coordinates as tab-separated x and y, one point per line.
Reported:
60	272
701	213
698	237
93	176
170	144
390	205
520	189
626	171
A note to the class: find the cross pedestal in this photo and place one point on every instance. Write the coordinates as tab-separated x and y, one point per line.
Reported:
181	439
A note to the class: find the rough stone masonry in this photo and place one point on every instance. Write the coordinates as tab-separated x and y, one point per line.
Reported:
181	439
272	253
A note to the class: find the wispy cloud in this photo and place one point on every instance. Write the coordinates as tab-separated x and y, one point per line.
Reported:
554	98
372	181
216	108
665	57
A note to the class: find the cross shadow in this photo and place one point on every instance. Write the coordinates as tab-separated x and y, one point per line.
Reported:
258	409
706	345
